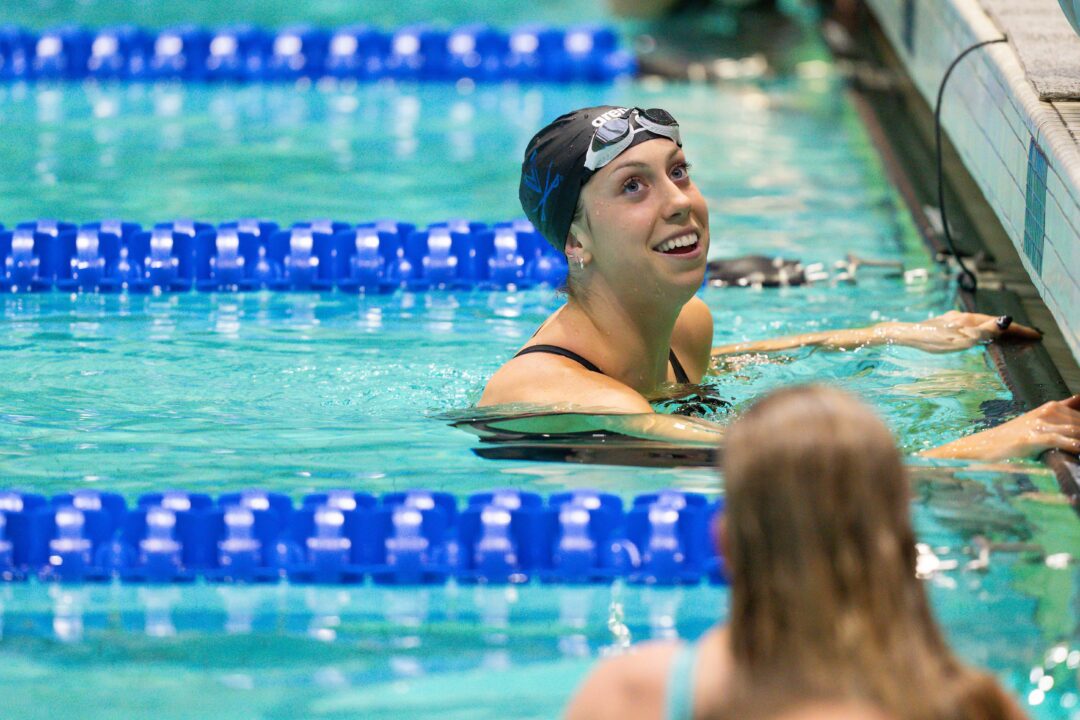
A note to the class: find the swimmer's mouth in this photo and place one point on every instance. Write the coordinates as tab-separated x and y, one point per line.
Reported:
679	245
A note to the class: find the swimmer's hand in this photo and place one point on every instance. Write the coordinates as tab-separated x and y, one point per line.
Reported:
954	331
945	333
1053	426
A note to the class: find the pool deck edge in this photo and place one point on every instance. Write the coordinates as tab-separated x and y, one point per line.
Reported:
899	120
999	126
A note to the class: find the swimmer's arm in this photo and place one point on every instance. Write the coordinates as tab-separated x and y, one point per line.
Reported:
625	417
1052	426
830	339
664	428
944	333
595	401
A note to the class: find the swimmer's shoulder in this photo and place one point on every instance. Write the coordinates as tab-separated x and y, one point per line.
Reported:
632	685
692	337
546	379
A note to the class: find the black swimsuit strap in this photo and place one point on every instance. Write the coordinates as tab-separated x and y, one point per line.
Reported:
680	374
556	350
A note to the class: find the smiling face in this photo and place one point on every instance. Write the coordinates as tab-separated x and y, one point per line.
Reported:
644	224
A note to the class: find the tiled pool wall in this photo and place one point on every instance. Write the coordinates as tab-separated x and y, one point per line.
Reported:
1019	150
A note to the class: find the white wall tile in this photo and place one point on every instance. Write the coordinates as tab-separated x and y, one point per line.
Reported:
991	113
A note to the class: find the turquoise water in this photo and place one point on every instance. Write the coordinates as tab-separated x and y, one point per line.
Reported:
298	392
279	13
303	392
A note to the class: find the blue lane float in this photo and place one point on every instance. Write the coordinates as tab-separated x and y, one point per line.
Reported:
245	54
347	537
318	255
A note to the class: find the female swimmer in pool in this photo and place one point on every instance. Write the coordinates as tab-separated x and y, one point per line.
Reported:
826	607
611	188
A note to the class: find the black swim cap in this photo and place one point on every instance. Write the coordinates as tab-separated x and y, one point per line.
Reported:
554	171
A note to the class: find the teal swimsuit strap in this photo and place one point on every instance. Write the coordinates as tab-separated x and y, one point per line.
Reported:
680	686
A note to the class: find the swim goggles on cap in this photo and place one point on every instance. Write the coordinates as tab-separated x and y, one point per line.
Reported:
615	134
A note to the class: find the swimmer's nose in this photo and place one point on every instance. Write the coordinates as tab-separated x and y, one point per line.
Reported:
677	206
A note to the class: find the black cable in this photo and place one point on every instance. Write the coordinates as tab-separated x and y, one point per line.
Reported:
967	278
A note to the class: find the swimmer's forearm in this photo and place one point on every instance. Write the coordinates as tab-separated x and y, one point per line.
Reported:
643	425
972	447
849	339
948	332
956	450
1051	426
665	428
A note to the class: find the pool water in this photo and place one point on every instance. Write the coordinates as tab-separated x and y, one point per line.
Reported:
298	392
40	14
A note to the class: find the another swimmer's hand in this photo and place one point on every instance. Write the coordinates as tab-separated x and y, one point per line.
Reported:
953	331
1053	426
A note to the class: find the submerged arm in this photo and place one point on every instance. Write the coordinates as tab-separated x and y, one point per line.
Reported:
554	395
646	425
1052	426
945	333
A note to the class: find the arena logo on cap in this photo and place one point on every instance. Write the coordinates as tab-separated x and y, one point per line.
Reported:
601	119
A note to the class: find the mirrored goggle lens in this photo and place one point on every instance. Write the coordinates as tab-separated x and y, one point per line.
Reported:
611	131
659	116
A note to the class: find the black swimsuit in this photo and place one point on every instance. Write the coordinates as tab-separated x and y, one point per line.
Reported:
680	375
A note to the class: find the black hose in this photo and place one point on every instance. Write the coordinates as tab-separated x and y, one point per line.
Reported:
967	278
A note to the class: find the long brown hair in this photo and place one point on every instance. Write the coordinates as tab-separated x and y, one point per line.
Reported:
818	542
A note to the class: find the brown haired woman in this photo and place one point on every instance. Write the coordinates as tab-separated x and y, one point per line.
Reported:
825	605
611	188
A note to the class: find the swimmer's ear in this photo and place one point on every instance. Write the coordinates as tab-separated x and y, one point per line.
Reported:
575	249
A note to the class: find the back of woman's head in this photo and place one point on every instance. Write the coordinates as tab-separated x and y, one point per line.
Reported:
817	499
819	546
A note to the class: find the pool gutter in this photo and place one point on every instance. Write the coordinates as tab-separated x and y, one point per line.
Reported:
891	107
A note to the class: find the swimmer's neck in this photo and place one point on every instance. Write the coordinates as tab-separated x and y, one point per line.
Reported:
631	335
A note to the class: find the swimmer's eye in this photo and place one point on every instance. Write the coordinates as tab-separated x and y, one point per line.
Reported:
680	171
632	185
